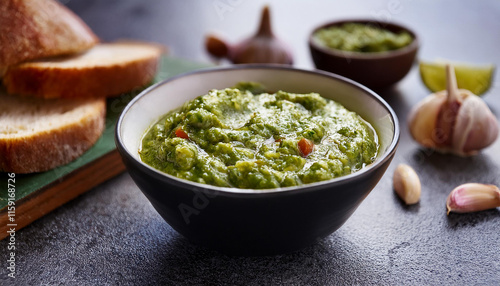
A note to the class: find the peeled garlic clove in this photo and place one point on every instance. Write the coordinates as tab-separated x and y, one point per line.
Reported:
406	184
453	121
473	197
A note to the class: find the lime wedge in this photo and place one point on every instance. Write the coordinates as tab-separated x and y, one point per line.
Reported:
476	78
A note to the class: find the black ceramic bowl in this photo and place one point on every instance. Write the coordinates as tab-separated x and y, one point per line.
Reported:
375	70
247	221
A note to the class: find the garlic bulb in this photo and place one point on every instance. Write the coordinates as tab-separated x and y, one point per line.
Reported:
263	47
453	121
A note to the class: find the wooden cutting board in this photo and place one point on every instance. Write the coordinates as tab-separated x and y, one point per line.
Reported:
40	193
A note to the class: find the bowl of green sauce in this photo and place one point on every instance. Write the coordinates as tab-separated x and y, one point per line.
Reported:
374	53
256	159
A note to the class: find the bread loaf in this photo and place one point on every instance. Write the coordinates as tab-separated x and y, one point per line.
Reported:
33	29
105	70
37	135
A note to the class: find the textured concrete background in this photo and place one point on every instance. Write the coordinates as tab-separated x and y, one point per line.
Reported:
113	236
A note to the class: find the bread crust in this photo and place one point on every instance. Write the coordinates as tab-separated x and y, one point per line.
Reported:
33	29
38	80
42	151
80	83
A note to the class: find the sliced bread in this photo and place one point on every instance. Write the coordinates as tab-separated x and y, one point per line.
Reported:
38	135
103	71
33	29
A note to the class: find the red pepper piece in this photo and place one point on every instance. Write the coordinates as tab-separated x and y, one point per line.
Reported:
181	133
306	146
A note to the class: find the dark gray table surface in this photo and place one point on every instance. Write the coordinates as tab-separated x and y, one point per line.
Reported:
113	236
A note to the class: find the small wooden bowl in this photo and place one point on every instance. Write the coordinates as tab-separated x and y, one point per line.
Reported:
375	70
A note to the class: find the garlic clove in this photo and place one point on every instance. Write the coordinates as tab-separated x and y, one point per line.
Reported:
407	184
477	124
453	121
423	117
473	197
216	46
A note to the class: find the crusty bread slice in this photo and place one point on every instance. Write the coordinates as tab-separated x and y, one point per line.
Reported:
37	135
105	70
33	29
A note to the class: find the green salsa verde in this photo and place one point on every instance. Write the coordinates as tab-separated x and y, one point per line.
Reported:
244	138
355	37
